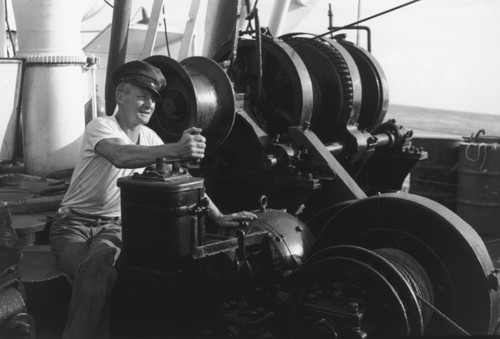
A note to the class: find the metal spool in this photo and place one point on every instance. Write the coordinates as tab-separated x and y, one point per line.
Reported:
338	92
452	254
375	88
287	90
379	282
198	93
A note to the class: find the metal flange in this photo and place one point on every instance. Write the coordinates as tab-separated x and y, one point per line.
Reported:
198	93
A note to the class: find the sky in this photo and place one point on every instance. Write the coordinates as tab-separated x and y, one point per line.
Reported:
435	53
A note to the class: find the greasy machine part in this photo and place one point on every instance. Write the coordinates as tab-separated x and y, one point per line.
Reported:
341	85
291	240
464	282
198	93
287	91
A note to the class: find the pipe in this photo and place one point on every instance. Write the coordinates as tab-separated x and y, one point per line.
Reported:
220	21
278	16
53	113
117	48
3	36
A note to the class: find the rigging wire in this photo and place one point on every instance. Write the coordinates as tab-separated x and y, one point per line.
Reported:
355	23
10	32
107	3
358	18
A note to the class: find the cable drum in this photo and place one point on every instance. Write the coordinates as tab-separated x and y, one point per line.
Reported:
380	287
286	97
339	94
198	93
414	274
465	286
375	89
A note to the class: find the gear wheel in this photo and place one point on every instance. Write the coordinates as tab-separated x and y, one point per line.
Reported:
338	84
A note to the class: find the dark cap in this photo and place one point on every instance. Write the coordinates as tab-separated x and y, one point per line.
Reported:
142	74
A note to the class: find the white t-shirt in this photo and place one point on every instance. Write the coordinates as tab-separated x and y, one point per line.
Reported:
93	188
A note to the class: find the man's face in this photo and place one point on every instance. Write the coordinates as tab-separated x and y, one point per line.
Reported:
138	104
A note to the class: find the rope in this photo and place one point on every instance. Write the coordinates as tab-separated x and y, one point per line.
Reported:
356	22
9	30
482	145
442	315
415	274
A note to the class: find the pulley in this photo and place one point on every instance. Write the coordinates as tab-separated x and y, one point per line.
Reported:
198	93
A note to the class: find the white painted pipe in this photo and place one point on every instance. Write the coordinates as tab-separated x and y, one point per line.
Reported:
53	95
3	36
278	16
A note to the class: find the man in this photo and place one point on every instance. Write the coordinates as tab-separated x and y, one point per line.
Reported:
86	233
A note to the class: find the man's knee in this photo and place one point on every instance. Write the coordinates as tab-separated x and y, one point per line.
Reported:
69	257
99	263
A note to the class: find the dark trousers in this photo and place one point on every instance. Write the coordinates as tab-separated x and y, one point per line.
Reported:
86	249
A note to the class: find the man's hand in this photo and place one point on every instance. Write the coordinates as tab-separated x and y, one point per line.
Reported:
235	219
191	144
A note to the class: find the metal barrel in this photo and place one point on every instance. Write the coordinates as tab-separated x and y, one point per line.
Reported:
478	193
436	177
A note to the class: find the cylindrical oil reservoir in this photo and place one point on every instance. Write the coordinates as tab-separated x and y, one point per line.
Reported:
478	194
162	219
436	177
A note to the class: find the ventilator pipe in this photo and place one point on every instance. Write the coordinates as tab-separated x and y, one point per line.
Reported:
117	48
53	101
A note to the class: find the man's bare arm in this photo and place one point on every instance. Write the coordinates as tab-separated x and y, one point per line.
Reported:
121	155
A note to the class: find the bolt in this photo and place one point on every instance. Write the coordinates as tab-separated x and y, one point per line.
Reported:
493	279
354	307
252	315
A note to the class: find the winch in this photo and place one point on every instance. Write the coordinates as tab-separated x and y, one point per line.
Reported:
298	119
344	253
